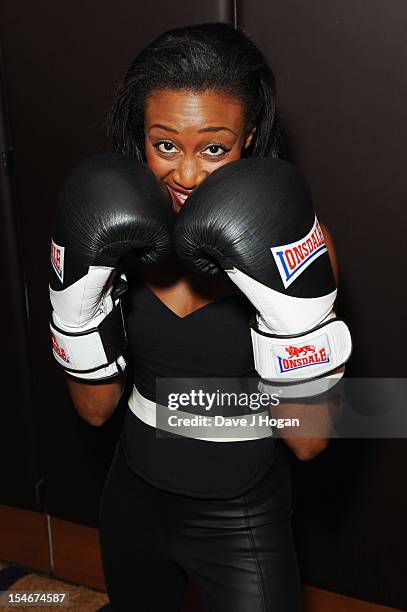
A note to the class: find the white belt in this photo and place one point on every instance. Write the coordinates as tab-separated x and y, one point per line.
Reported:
209	430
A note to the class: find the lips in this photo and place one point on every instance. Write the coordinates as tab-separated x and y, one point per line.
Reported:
178	196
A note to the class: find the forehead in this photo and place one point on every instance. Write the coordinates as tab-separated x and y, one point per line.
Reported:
183	109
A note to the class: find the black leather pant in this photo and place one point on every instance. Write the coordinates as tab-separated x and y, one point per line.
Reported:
239	552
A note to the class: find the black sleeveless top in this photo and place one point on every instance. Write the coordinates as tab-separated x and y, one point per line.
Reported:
213	341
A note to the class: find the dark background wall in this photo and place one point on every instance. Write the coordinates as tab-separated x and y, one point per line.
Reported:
343	91
343	86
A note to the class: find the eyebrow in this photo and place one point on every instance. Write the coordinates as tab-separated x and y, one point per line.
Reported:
206	129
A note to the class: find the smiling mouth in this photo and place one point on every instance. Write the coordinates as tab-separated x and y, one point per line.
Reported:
179	197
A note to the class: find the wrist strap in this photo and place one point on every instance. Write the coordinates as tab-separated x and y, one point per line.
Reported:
301	357
297	391
95	353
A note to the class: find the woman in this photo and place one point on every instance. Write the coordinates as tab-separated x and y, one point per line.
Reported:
194	100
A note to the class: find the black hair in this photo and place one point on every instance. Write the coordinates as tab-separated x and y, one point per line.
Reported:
211	56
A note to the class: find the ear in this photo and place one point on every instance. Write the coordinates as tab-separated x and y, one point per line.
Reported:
249	137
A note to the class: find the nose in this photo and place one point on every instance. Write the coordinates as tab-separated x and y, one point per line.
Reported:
189	174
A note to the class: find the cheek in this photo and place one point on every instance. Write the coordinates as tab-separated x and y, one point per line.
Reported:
155	163
235	154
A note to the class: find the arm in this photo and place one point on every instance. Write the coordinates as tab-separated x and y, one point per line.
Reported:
313	414
96	403
316	417
331	252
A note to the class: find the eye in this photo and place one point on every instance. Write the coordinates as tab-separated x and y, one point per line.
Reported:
165	146
215	150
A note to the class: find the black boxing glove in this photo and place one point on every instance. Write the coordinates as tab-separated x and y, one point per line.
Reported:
108	206
254	218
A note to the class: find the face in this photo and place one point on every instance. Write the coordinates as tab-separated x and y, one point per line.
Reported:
189	135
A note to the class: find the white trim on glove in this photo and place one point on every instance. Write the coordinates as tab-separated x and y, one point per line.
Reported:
79	324
297	314
70	305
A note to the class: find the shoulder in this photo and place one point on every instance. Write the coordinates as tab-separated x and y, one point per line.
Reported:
331	250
